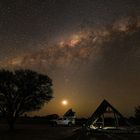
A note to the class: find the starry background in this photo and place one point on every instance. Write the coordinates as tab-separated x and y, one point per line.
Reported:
90	48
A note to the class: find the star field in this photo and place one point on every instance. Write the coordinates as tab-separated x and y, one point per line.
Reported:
89	48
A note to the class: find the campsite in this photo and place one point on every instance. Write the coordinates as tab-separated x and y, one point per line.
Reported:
96	127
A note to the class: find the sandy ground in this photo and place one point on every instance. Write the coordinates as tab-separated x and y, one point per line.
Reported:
46	132
36	132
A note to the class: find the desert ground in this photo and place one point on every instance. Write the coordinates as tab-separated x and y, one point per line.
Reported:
47	132
36	132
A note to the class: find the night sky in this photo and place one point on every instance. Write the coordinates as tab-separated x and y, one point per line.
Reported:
90	48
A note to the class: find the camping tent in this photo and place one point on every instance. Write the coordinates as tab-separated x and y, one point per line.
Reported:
106	116
69	113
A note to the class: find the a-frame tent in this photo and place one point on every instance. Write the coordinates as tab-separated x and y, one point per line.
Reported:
106	107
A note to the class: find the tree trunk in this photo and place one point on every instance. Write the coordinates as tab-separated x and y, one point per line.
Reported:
11	122
11	126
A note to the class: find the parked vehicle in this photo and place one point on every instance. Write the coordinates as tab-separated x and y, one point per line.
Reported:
67	121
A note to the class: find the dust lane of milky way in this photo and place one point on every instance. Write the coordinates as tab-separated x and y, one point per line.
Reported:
90	50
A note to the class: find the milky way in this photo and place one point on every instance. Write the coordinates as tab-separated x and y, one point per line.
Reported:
90	50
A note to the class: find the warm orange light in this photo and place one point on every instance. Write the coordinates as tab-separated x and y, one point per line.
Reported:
64	102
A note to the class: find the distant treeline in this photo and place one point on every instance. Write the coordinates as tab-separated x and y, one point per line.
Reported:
46	120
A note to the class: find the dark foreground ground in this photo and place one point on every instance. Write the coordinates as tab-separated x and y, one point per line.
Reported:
46	132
